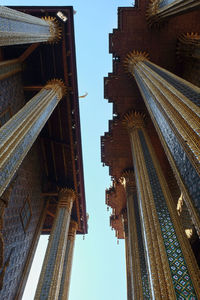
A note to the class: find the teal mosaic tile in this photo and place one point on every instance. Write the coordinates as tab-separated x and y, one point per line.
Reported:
180	276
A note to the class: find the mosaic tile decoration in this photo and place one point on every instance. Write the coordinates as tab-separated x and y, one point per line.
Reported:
8	25
186	90
143	267
64	268
52	256
180	276
164	3
188	173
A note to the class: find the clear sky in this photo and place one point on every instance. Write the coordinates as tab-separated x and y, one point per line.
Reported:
98	271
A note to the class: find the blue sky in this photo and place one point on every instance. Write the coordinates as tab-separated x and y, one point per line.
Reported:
98	271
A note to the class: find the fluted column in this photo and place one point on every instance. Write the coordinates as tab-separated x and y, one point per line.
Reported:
128	260
20	132
20	28
189	45
172	267
52	269
174	106
139	272
66	275
162	9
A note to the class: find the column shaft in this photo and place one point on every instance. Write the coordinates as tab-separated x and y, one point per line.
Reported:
139	273
66	275
161	9
174	106
52	269
20	28
128	258
173	268
20	132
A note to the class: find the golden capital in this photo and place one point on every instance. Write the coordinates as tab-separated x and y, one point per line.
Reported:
128	179
66	198
72	230
58	86
133	58
54	28
134	120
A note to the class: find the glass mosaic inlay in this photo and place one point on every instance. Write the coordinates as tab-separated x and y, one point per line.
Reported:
164	3
8	25
181	279
52	255
64	268
188	173
144	273
186	90
25	144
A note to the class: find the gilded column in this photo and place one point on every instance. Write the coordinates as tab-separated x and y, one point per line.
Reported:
66	275
20	132
174	106
162	9
20	28
138	267
52	269
172	267
128	260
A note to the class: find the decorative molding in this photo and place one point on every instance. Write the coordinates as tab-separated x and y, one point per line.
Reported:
66	198
134	120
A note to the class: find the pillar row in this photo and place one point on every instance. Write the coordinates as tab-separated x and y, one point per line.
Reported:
19	133
174	107
20	28
162	9
50	278
173	271
66	275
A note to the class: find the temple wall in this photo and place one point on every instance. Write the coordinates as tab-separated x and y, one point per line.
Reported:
26	183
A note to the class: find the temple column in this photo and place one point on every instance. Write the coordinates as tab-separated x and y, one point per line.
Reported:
128	261
138	267
174	107
66	275
162	9
20	28
20	132
189	45
52	269
172	268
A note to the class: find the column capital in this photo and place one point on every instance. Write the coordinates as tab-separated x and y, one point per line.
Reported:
54	28
134	120
133	58
58	86
73	226
66	198
128	178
